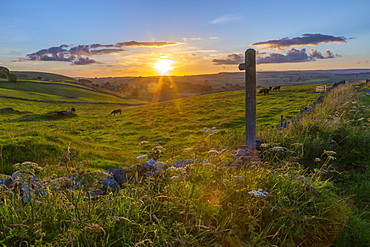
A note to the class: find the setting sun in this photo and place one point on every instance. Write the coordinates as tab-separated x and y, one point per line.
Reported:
163	66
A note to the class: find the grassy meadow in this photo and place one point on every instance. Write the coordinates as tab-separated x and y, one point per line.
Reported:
307	187
108	140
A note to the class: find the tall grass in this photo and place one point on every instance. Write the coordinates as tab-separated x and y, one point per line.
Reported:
340	126
215	203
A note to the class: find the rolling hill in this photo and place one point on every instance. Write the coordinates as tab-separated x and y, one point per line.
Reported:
43	75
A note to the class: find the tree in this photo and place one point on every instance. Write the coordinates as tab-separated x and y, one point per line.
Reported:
4	72
135	93
12	77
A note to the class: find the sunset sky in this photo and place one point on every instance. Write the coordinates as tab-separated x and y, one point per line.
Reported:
143	38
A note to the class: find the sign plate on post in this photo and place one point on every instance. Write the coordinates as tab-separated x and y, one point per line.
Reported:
250	98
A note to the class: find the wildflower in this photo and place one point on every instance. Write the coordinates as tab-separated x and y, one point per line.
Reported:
144	142
188	150
317	159
212	131
157	147
331	157
361	119
214	151
278	148
141	156
258	193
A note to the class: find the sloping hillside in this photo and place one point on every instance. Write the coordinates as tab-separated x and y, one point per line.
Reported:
60	92
45	76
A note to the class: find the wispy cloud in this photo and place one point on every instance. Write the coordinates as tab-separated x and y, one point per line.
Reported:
226	18
305	39
230	59
364	61
79	55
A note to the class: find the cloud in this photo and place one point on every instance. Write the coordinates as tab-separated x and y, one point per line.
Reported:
106	51
84	61
305	39
79	55
231	59
147	44
292	56
51	54
364	61
226	18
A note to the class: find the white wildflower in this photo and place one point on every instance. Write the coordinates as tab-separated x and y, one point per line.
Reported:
258	193
141	156
331	157
214	151
278	148
361	119
188	150
157	147
212	131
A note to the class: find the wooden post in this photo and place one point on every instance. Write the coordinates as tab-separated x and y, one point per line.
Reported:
250	98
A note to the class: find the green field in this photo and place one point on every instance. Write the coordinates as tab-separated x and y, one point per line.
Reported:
113	140
308	186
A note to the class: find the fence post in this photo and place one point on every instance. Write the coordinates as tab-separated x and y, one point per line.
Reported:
250	98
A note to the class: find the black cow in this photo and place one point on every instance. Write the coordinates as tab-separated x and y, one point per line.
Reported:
114	112
264	91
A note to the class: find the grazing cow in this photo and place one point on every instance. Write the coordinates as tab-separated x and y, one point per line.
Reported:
264	91
73	110
114	112
276	88
270	88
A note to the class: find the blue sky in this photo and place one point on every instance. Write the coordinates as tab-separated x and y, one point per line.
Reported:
127	37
